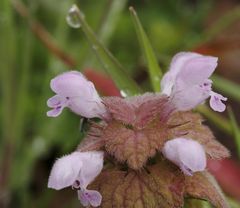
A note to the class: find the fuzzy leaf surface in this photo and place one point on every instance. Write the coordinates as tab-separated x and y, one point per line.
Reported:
189	125
162	187
134	146
203	186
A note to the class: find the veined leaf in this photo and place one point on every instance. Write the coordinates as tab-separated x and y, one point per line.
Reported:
153	67
127	85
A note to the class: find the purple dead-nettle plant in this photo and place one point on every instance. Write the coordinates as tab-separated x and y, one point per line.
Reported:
155	148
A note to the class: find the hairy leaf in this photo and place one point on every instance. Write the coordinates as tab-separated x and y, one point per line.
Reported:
120	109
134	146
203	186
189	125
93	140
139	110
162	186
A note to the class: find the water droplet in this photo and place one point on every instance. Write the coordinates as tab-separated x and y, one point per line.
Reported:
72	17
123	93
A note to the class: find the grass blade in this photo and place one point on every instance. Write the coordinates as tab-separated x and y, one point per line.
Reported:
152	62
127	85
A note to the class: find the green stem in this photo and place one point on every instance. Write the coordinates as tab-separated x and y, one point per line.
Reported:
7	67
110	19
111	14
235	129
111	65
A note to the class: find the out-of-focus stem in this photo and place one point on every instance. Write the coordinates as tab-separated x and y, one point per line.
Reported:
108	22
218	120
228	87
7	66
235	129
222	23
43	35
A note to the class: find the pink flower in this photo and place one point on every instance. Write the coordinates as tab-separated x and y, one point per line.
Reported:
188	84
188	154
74	91
78	170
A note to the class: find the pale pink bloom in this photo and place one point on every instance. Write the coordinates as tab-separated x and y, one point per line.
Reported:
188	154
74	91
78	170
187	81
216	102
90	197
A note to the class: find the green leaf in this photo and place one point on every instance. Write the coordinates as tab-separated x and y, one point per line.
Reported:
196	203
226	86
233	203
153	67
235	129
127	85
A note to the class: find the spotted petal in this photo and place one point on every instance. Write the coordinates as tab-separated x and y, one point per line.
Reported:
90	197
58	103
216	102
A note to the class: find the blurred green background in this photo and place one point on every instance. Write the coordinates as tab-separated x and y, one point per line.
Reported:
36	44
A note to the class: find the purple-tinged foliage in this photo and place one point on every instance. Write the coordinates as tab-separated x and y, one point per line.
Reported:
155	148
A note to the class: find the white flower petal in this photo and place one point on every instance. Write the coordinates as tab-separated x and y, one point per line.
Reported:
79	94
188	98
196	71
72	84
187	81
179	60
188	154
88	108
65	171
92	166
